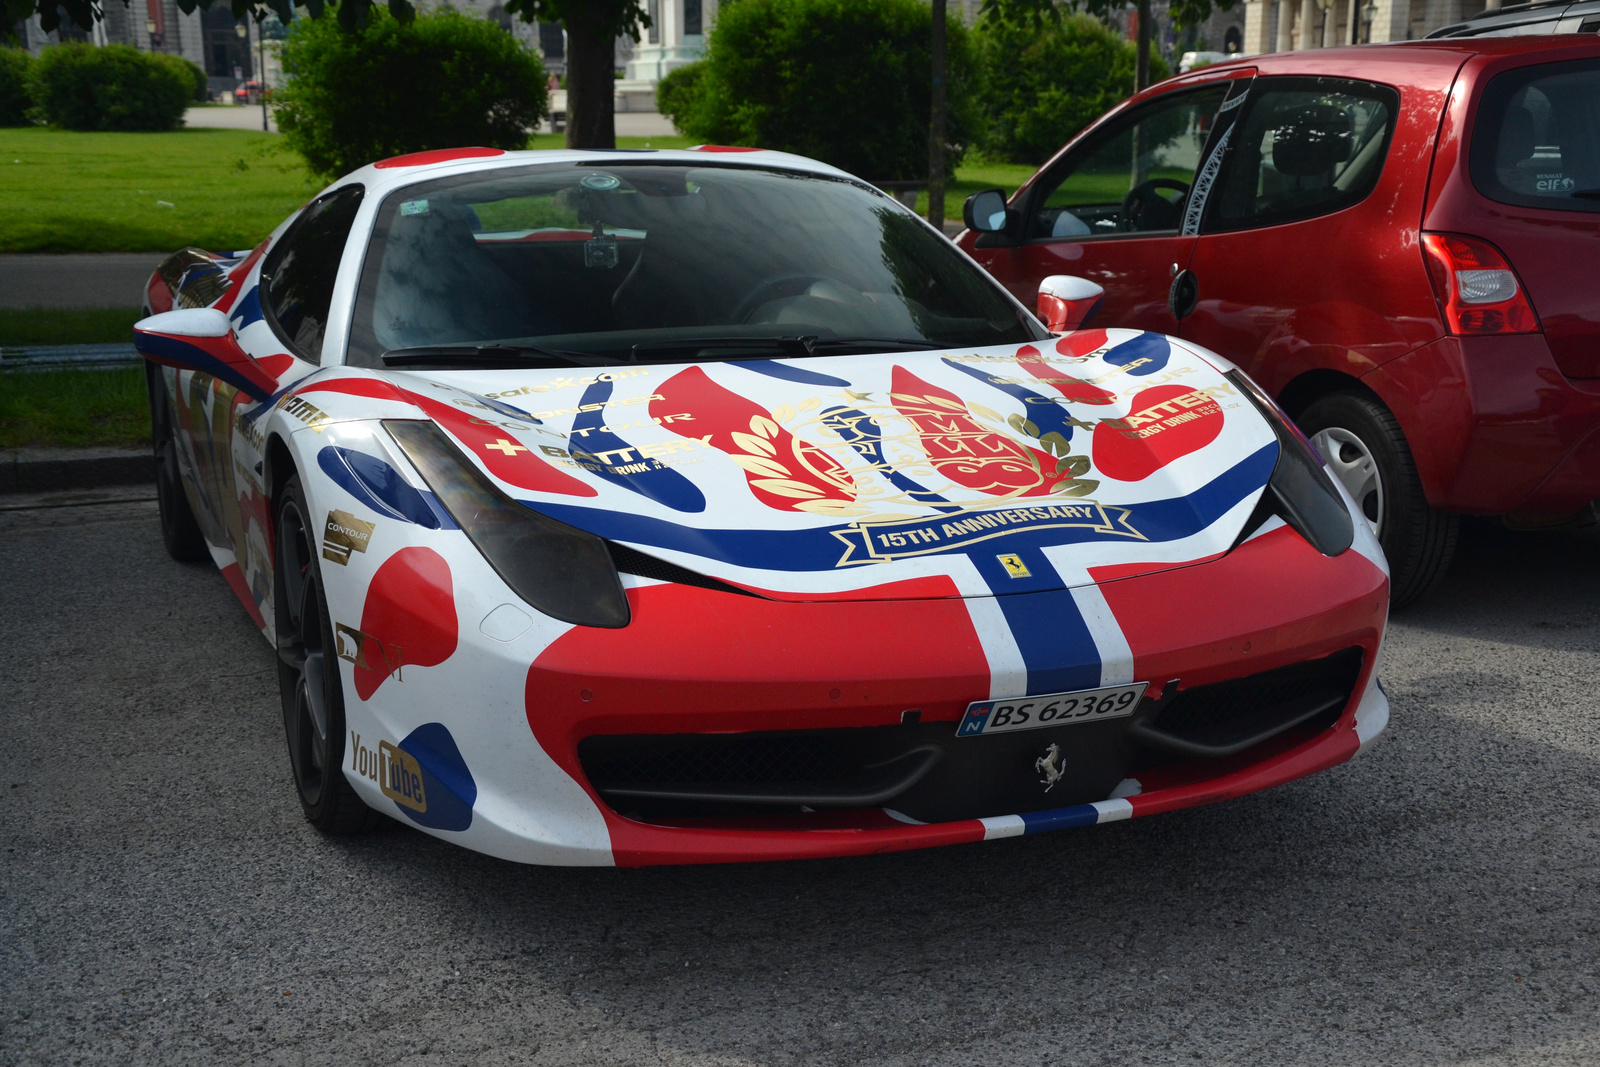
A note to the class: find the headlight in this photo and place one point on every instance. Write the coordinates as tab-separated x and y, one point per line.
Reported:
560	570
1306	496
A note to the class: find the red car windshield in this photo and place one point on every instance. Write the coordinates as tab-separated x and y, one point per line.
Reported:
596	259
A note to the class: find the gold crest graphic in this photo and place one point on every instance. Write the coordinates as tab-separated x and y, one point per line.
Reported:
344	534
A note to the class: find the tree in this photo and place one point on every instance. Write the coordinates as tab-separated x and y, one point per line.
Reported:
353	98
1043	84
1183	12
843	81
591	25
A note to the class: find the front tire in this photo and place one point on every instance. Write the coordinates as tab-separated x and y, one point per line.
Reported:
309	683
1367	452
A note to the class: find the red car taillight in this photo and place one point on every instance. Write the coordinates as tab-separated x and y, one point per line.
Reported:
1477	288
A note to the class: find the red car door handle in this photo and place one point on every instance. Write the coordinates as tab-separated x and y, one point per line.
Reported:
1183	295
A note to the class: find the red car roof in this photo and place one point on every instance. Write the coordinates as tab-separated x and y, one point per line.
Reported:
1425	64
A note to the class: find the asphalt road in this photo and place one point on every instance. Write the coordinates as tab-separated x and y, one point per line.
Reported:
161	900
79	280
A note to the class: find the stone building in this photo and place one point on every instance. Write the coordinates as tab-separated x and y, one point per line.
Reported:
1286	25
209	39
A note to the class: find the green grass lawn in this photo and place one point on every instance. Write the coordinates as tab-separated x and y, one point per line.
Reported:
73	408
101	192
107	192
974	177
66	326
559	140
227	189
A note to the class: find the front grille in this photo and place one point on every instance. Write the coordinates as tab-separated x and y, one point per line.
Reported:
920	769
732	760
1227	717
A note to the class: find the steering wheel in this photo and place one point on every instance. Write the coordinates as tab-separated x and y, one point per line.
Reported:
1146	209
772	288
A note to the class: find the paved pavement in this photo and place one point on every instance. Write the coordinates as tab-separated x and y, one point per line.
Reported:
236	117
245	117
115	279
161	901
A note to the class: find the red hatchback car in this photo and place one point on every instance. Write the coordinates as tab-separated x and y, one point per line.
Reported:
1399	242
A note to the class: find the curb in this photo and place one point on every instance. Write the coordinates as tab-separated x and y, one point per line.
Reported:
45	470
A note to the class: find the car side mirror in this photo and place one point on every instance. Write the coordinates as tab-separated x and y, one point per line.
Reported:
201	339
1067	302
985	212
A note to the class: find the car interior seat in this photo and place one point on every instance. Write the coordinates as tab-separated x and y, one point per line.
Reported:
1514	153
1308	142
1573	121
437	286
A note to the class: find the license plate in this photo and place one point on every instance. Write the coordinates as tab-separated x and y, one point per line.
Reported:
1051	709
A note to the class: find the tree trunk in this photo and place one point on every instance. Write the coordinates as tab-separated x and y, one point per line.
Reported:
1141	63
936	120
591	88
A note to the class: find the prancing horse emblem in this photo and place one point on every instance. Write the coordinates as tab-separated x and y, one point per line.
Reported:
1049	765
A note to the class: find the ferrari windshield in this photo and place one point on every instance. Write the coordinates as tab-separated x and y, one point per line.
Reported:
658	261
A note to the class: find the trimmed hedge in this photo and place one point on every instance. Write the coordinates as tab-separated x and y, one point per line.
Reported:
15	65
113	87
196	75
1042	84
444	80
844	81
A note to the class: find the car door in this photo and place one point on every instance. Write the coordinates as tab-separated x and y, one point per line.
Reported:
1307	250
294	295
1111	209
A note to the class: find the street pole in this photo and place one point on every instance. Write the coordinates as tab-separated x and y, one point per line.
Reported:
936	124
261	70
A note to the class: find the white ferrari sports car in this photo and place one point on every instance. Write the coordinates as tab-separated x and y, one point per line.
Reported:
687	506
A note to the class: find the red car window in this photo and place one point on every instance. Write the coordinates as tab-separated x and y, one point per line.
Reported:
1134	176
1536	141
1305	147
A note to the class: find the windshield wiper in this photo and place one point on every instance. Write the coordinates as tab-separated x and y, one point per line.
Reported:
837	346
1586	194
489	357
793	346
805	345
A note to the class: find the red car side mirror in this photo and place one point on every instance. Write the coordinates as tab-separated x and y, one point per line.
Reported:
202	339
1067	302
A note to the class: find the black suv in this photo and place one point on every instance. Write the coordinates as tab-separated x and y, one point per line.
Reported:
1543	16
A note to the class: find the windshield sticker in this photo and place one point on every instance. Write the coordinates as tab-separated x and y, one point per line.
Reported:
567	382
414	207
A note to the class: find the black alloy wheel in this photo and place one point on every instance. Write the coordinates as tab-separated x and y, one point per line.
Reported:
180	533
308	676
1367	452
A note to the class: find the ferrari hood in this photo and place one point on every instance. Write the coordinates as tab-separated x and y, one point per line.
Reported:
1104	453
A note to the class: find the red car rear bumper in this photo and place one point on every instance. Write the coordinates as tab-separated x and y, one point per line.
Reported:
1507	432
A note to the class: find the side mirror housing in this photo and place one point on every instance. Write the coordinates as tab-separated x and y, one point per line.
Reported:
1067	302
985	211
201	339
